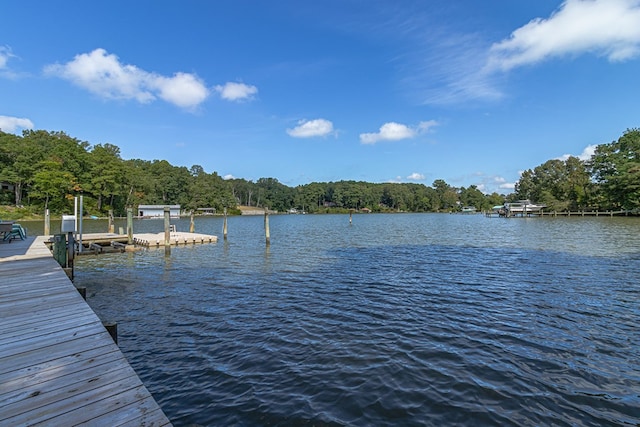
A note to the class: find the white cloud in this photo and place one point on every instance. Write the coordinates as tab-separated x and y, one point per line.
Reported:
508	186
12	124
228	177
183	89
104	75
310	128
393	131
609	28
415	176
488	184
586	154
236	91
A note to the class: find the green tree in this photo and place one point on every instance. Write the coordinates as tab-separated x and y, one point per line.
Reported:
16	163
616	167
310	197
274	195
447	195
210	191
558	184
472	196
106	174
53	185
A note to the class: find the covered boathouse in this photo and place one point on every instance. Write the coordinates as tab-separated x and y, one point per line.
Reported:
157	211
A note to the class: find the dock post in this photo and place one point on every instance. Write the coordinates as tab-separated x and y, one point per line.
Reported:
192	226
111	226
130	226
60	249
267	233
112	328
47	223
224	226
70	252
167	230
350	216
80	215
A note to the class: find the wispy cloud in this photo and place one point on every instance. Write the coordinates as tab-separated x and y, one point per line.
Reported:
12	124
609	28
5	54
393	131
443	64
311	128
103	74
450	71
232	91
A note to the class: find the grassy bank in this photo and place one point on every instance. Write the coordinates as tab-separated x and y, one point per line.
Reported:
15	213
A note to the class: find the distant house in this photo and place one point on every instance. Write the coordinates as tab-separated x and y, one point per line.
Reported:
157	211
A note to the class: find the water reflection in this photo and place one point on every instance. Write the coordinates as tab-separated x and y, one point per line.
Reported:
393	320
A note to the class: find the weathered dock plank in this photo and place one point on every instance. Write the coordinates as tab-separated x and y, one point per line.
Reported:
58	364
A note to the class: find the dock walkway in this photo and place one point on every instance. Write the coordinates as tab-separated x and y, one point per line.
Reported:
58	364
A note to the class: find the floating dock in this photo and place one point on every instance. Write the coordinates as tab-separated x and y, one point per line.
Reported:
58	364
149	239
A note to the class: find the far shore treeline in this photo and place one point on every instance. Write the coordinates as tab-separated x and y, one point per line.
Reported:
45	170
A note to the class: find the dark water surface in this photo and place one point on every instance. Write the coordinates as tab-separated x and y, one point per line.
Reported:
408	319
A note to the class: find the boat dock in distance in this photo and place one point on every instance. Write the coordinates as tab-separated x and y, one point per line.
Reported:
524	208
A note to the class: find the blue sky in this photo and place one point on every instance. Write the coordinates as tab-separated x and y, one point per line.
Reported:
381	90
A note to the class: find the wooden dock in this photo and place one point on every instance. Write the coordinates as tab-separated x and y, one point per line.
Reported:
563	214
58	364
586	213
149	239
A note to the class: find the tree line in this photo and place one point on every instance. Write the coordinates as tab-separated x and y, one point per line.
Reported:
45	170
609	180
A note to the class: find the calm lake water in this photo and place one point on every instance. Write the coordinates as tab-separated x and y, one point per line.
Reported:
405	319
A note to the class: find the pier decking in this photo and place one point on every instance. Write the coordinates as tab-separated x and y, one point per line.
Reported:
58	364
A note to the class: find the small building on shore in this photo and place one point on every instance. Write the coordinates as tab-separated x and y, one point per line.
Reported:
157	211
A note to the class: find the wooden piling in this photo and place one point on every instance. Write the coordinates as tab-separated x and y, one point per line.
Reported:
112	328
130	226
167	231
192	226
79	224
267	233
70	249
224	226
47	223
111	224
